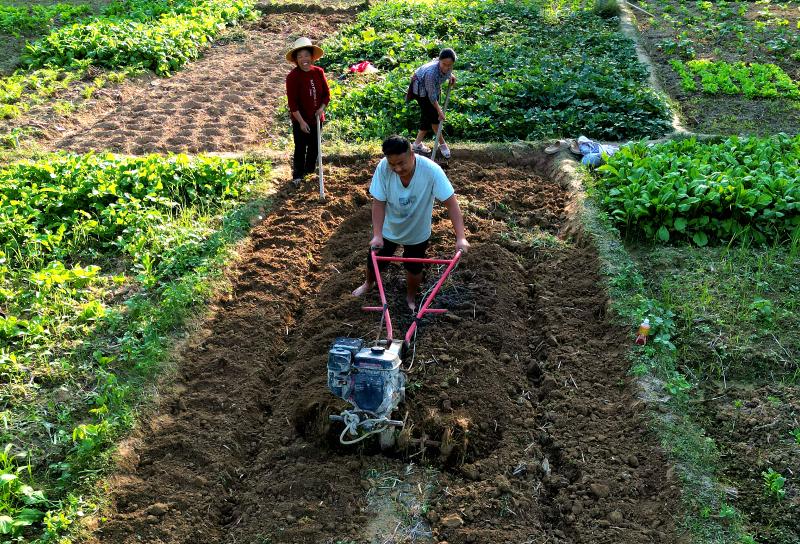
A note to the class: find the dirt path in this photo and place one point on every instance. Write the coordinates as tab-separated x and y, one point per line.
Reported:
226	101
527	375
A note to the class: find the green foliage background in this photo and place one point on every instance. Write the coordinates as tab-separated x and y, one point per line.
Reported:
523	72
100	259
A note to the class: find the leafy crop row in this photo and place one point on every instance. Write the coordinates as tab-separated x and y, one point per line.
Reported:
162	45
705	192
720	77
522	73
147	10
130	36
20	20
19	91
100	257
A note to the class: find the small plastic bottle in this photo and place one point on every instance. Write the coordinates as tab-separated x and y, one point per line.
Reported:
644	330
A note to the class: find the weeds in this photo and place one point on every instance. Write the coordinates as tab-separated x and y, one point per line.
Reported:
20	504
774	484
656	364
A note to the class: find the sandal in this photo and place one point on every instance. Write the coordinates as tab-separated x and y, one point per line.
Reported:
421	149
445	151
556	147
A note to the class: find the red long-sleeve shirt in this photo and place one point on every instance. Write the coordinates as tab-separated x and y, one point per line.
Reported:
307	91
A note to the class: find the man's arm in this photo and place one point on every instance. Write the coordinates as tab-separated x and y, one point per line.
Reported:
454	211
378	215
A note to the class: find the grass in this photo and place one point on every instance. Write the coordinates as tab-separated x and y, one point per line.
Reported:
398	501
708	517
725	320
737	309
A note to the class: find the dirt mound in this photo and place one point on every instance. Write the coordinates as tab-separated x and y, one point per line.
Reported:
525	377
225	101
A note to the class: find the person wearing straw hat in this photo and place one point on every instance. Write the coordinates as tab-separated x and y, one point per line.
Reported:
308	96
426	89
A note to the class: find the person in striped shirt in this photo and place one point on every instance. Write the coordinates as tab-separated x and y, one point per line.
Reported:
426	89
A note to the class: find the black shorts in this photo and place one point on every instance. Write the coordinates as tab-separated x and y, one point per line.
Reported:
416	251
428	115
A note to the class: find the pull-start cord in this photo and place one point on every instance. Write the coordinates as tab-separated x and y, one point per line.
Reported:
352	422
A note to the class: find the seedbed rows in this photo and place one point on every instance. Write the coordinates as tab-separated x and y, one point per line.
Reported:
226	101
242	449
732	66
64	67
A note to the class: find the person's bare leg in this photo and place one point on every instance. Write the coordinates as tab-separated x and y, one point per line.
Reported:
420	137
365	287
441	136
362	289
413	281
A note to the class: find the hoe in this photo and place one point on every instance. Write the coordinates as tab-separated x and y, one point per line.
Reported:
370	378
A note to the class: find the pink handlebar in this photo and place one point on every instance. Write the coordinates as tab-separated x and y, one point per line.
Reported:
451	263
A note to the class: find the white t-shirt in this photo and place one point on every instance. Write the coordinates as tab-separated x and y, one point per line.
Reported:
409	209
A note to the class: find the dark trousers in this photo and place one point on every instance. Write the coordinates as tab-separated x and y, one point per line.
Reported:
415	251
306	150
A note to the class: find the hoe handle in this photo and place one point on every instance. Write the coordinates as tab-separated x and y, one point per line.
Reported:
319	159
441	123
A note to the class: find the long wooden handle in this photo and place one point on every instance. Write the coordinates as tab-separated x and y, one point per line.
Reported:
441	123
319	159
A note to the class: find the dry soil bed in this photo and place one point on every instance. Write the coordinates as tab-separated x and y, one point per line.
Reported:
527	373
226	101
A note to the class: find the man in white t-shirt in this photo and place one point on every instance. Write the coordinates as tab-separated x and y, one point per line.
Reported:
403	188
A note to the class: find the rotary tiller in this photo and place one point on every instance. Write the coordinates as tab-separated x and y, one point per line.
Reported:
370	378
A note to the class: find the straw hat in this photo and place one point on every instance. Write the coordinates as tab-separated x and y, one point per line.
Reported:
302	43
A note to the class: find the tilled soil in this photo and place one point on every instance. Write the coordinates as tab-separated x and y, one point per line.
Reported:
226	101
526	375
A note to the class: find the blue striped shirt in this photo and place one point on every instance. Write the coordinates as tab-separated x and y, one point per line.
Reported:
428	80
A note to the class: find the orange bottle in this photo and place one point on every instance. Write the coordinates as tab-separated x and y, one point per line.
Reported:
644	330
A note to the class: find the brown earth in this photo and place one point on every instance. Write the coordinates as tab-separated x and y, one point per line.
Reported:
527	375
756	423
226	101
